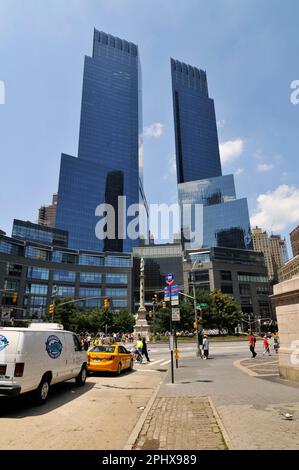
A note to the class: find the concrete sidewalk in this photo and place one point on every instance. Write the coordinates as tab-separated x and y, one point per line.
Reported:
214	405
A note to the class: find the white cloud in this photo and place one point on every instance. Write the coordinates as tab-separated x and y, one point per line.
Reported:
239	171
221	123
171	167
278	209
231	150
154	130
262	167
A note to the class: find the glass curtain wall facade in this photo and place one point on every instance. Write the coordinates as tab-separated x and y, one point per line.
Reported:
197	149
77	274
223	219
109	162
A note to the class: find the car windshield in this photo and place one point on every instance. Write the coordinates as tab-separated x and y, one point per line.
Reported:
103	349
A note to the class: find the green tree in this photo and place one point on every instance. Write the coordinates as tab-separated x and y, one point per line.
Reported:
202	297
124	321
162	321
187	317
68	315
224	312
106	320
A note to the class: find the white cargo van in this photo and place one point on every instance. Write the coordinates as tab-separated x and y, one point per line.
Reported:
32	359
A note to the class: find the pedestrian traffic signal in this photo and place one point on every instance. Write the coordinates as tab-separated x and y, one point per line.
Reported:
14	297
52	309
106	303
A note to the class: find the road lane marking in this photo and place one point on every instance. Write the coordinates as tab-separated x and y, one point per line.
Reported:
156	362
166	362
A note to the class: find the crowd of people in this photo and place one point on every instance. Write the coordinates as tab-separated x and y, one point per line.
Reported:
270	342
137	345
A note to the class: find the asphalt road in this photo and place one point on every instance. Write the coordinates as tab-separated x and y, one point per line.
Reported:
100	415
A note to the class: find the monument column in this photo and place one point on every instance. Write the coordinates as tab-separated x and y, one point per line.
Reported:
142	327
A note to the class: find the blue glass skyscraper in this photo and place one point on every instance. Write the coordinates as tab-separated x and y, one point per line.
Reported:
109	162
197	149
224	219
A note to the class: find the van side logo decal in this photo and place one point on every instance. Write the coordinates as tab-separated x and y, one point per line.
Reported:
3	342
54	346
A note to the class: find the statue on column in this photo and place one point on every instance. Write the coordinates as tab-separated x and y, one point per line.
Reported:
142	328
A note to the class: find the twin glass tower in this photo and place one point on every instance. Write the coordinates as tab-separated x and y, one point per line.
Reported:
109	162
110	158
225	219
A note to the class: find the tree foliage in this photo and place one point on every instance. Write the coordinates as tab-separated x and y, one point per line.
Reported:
98	320
225	313
222	312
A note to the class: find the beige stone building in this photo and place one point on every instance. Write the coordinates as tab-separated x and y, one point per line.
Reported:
289	270
286	298
274	249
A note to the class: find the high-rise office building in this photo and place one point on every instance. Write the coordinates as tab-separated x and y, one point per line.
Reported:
109	162
224	219
197	149
274	249
47	214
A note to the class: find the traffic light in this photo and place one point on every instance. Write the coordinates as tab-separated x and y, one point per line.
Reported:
164	306
14	297
106	303
52	309
195	325
155	299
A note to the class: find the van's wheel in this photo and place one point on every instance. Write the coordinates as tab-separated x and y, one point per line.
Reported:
81	377
42	392
119	369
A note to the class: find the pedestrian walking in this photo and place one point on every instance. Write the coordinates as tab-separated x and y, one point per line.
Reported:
271	341
144	350
205	347
276	343
266	346
85	343
252	341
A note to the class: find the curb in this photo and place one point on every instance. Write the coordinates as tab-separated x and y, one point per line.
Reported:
221	426
138	426
245	369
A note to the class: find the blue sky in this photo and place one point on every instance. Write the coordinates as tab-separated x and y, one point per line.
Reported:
248	48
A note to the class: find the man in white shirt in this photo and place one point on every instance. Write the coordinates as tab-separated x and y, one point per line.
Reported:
205	347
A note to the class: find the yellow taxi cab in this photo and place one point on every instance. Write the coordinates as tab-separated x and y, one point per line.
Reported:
109	358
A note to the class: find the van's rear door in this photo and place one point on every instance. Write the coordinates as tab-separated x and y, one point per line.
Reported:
9	345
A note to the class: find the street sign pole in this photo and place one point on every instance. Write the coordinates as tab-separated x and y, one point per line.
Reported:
169	281
171	352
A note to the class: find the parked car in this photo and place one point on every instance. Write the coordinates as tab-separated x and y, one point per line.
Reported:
32	359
